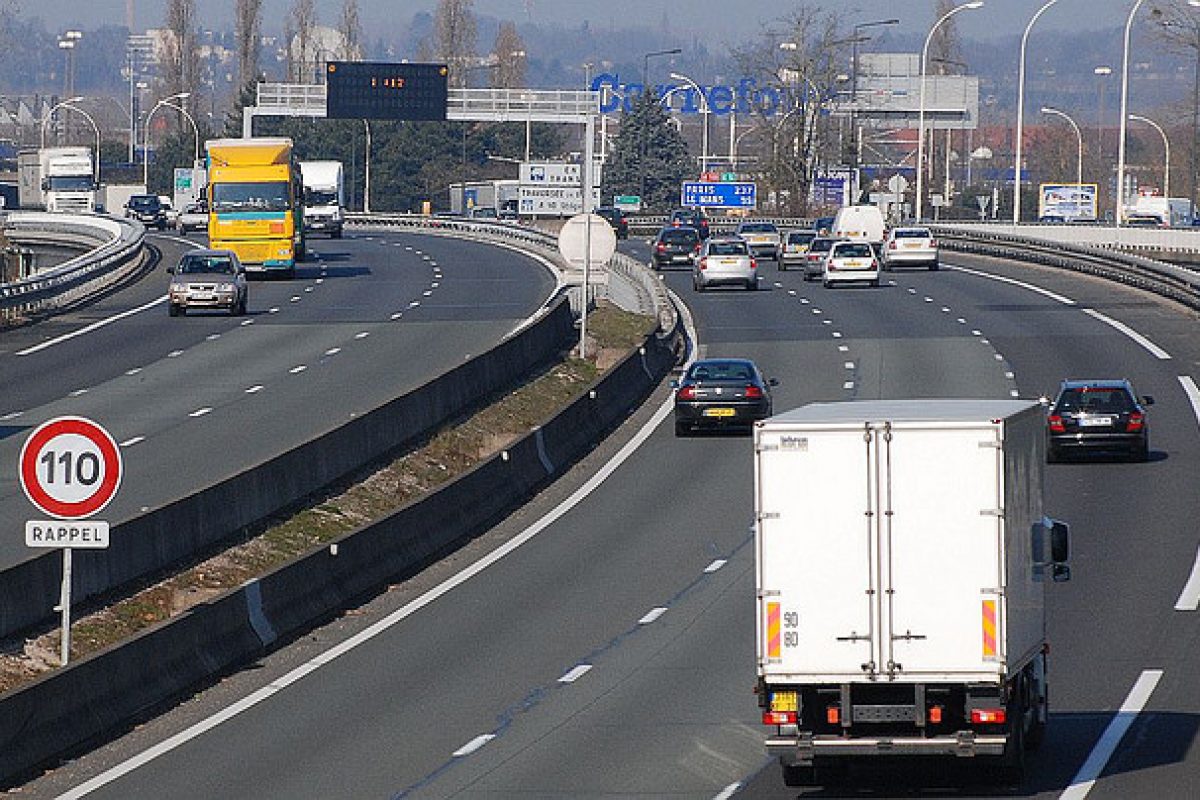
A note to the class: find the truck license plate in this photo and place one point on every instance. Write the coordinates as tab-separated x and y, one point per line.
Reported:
785	700
719	412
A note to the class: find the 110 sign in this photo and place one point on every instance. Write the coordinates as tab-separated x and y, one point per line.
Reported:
70	468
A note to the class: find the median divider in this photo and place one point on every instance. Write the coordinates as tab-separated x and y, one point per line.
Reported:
102	695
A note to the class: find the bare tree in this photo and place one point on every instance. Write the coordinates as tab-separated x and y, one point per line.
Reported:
511	57
1179	28
182	60
247	34
454	30
351	30
302	20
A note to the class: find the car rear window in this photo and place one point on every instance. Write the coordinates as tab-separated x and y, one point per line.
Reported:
913	233
680	236
727	249
820	245
852	251
758	227
1100	400
797	237
720	371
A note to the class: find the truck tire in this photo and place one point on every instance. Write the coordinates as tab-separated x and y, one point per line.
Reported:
1012	763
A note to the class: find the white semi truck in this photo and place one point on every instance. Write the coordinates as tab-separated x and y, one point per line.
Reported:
902	557
57	179
324	197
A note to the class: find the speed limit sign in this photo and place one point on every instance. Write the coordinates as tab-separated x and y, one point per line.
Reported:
70	467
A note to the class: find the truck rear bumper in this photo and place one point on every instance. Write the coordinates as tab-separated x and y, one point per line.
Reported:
800	750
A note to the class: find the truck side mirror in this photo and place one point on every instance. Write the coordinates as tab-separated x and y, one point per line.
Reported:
45	185
1060	543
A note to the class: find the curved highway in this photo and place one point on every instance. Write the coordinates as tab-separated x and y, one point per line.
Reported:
198	399
608	651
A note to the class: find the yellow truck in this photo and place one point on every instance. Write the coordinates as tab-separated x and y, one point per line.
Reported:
255	202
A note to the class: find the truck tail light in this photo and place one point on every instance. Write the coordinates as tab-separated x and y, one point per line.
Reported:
833	715
779	718
935	715
686	393
988	716
1055	421
1137	420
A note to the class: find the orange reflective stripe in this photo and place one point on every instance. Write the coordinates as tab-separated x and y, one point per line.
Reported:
989	628
773	631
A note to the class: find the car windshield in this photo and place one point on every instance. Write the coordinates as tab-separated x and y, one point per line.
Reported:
679	236
71	183
727	249
758	227
319	197
800	238
852	251
720	371
1095	400
912	233
206	265
270	196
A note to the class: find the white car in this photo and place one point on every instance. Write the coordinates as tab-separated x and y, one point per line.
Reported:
194	217
851	262
795	247
910	247
763	238
725	260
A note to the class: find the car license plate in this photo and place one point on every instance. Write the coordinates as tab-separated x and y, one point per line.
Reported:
719	412
785	700
855	264
912	244
204	296
679	258
1095	422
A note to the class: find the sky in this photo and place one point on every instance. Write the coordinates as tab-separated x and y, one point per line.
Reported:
726	19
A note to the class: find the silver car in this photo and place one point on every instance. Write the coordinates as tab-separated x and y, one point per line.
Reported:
763	238
207	279
725	260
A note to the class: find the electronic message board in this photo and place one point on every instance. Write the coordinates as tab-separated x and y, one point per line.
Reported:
377	90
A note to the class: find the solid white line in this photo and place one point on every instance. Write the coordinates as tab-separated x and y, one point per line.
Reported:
1154	349
473	745
205	725
575	673
1193	394
89	328
728	792
1031	287
133	441
652	615
1189	598
716	565
1089	773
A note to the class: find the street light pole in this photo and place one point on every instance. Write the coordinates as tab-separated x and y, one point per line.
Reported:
1078	139
704	111
921	112
1166	150
1016	215
195	130
146	134
1118	217
50	115
96	128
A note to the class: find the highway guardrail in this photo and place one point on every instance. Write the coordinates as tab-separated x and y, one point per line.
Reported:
114	246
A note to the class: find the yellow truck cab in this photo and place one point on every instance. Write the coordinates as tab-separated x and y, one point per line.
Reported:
254	201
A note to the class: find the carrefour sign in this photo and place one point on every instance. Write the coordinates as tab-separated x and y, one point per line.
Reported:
744	97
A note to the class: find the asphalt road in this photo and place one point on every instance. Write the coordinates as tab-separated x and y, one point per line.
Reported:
196	399
612	655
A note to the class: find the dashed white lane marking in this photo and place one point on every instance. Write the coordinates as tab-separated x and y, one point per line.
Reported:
715	565
246	322
273	310
1154	349
849	365
837	335
296	370
848	385
333	351
295	298
728	792
11	415
575	673
1023	284
397	315
1089	773
843	348
362	335
175	354
473	745
89	328
200	412
653	614
307	289
133	441
133	371
78	393
255	389
212	337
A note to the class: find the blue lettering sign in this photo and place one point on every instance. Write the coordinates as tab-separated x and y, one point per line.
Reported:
719	195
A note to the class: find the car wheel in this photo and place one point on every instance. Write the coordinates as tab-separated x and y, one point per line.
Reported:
1142	452
698	285
875	283
827	284
752	285
681	428
1053	456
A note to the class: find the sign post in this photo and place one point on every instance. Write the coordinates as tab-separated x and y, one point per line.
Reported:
70	468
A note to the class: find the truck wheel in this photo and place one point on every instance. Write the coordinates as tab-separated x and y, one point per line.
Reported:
796	775
1012	763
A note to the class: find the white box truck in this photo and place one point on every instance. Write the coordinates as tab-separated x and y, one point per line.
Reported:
1160	212
57	179
324	197
902	557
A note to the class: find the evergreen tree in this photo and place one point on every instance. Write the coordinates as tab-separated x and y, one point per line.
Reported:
649	157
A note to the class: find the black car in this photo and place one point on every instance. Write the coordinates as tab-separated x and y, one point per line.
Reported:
1100	416
148	210
675	246
691	218
721	393
616	218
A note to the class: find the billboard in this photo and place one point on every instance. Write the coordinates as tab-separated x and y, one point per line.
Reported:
1067	201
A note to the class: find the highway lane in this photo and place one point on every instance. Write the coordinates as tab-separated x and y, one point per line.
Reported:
196	399
649	586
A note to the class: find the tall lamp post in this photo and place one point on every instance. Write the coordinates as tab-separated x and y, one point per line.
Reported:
1166	150
1101	72
1118	217
50	115
195	130
921	112
146	133
1078	138
855	139
1016	215
704	111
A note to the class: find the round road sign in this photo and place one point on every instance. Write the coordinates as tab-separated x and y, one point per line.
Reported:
70	467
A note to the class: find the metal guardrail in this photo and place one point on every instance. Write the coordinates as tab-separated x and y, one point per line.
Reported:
116	246
639	290
1165	240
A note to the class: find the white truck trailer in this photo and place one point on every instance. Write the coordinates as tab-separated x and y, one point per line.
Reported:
57	179
902	557
324	197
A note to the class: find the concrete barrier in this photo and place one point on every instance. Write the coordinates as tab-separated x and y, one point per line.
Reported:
100	696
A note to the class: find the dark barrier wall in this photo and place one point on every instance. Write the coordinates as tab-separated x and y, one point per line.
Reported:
100	695
173	533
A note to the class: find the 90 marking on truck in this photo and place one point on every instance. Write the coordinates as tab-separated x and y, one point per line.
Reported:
781	630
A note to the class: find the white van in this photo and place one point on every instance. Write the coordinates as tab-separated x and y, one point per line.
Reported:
860	224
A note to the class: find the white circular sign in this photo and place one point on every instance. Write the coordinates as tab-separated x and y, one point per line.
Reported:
898	184
70	467
574	240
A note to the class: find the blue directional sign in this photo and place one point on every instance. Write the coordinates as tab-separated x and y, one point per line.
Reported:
719	195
